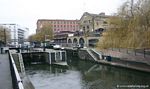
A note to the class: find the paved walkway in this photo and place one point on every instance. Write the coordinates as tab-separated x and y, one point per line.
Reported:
128	60
5	75
128	56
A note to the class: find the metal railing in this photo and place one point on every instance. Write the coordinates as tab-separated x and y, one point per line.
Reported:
91	45
16	80
145	52
96	54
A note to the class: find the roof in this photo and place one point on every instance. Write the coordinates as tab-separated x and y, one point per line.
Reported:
94	15
55	20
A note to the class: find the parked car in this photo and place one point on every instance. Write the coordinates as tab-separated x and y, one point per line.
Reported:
78	46
50	46
56	46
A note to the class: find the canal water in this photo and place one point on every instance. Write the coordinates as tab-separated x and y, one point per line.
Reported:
86	75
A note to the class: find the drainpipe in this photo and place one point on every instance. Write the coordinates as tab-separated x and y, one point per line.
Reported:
93	23
5	37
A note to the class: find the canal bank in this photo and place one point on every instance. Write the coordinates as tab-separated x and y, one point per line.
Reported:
108	57
118	59
22	79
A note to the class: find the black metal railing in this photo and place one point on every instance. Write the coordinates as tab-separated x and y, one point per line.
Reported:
16	80
145	52
96	54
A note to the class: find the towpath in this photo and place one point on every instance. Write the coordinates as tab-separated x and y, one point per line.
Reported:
5	74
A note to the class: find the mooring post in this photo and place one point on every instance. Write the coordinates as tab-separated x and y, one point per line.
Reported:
1	50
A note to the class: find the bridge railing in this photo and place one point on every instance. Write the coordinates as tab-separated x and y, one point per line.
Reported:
77	44
16	80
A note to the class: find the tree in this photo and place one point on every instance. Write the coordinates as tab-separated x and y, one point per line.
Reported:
4	35
130	28
46	32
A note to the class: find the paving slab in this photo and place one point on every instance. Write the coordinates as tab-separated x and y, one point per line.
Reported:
5	74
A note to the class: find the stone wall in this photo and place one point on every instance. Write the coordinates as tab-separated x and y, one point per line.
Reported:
84	55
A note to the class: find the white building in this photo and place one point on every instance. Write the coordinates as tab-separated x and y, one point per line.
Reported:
18	34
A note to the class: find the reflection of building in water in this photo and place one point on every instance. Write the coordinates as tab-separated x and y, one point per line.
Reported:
57	69
102	76
57	56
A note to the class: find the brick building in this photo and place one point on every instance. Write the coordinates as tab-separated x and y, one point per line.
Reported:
59	25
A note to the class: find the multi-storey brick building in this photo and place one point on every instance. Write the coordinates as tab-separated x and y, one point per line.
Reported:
59	25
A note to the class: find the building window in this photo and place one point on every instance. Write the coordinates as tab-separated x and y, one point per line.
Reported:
84	21
88	27
89	21
105	22
97	23
83	28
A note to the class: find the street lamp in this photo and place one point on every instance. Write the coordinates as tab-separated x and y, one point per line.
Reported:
93	18
45	42
5	41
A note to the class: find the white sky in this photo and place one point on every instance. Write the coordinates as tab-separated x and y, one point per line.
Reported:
27	12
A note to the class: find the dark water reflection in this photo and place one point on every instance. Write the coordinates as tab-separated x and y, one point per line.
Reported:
85	75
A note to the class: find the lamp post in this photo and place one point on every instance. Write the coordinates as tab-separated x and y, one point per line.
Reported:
45	42
5	41
93	18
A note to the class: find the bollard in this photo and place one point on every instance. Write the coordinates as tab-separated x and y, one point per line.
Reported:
108	58
1	50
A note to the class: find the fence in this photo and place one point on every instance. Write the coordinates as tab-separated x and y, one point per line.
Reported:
143	52
16	80
77	45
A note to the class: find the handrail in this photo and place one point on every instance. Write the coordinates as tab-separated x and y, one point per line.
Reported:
96	54
17	82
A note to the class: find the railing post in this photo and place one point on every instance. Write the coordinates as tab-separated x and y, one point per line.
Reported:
144	53
135	52
127	51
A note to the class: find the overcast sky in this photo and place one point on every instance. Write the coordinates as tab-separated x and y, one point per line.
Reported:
27	12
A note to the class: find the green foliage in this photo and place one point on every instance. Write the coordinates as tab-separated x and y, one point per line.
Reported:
2	34
46	32
130	28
